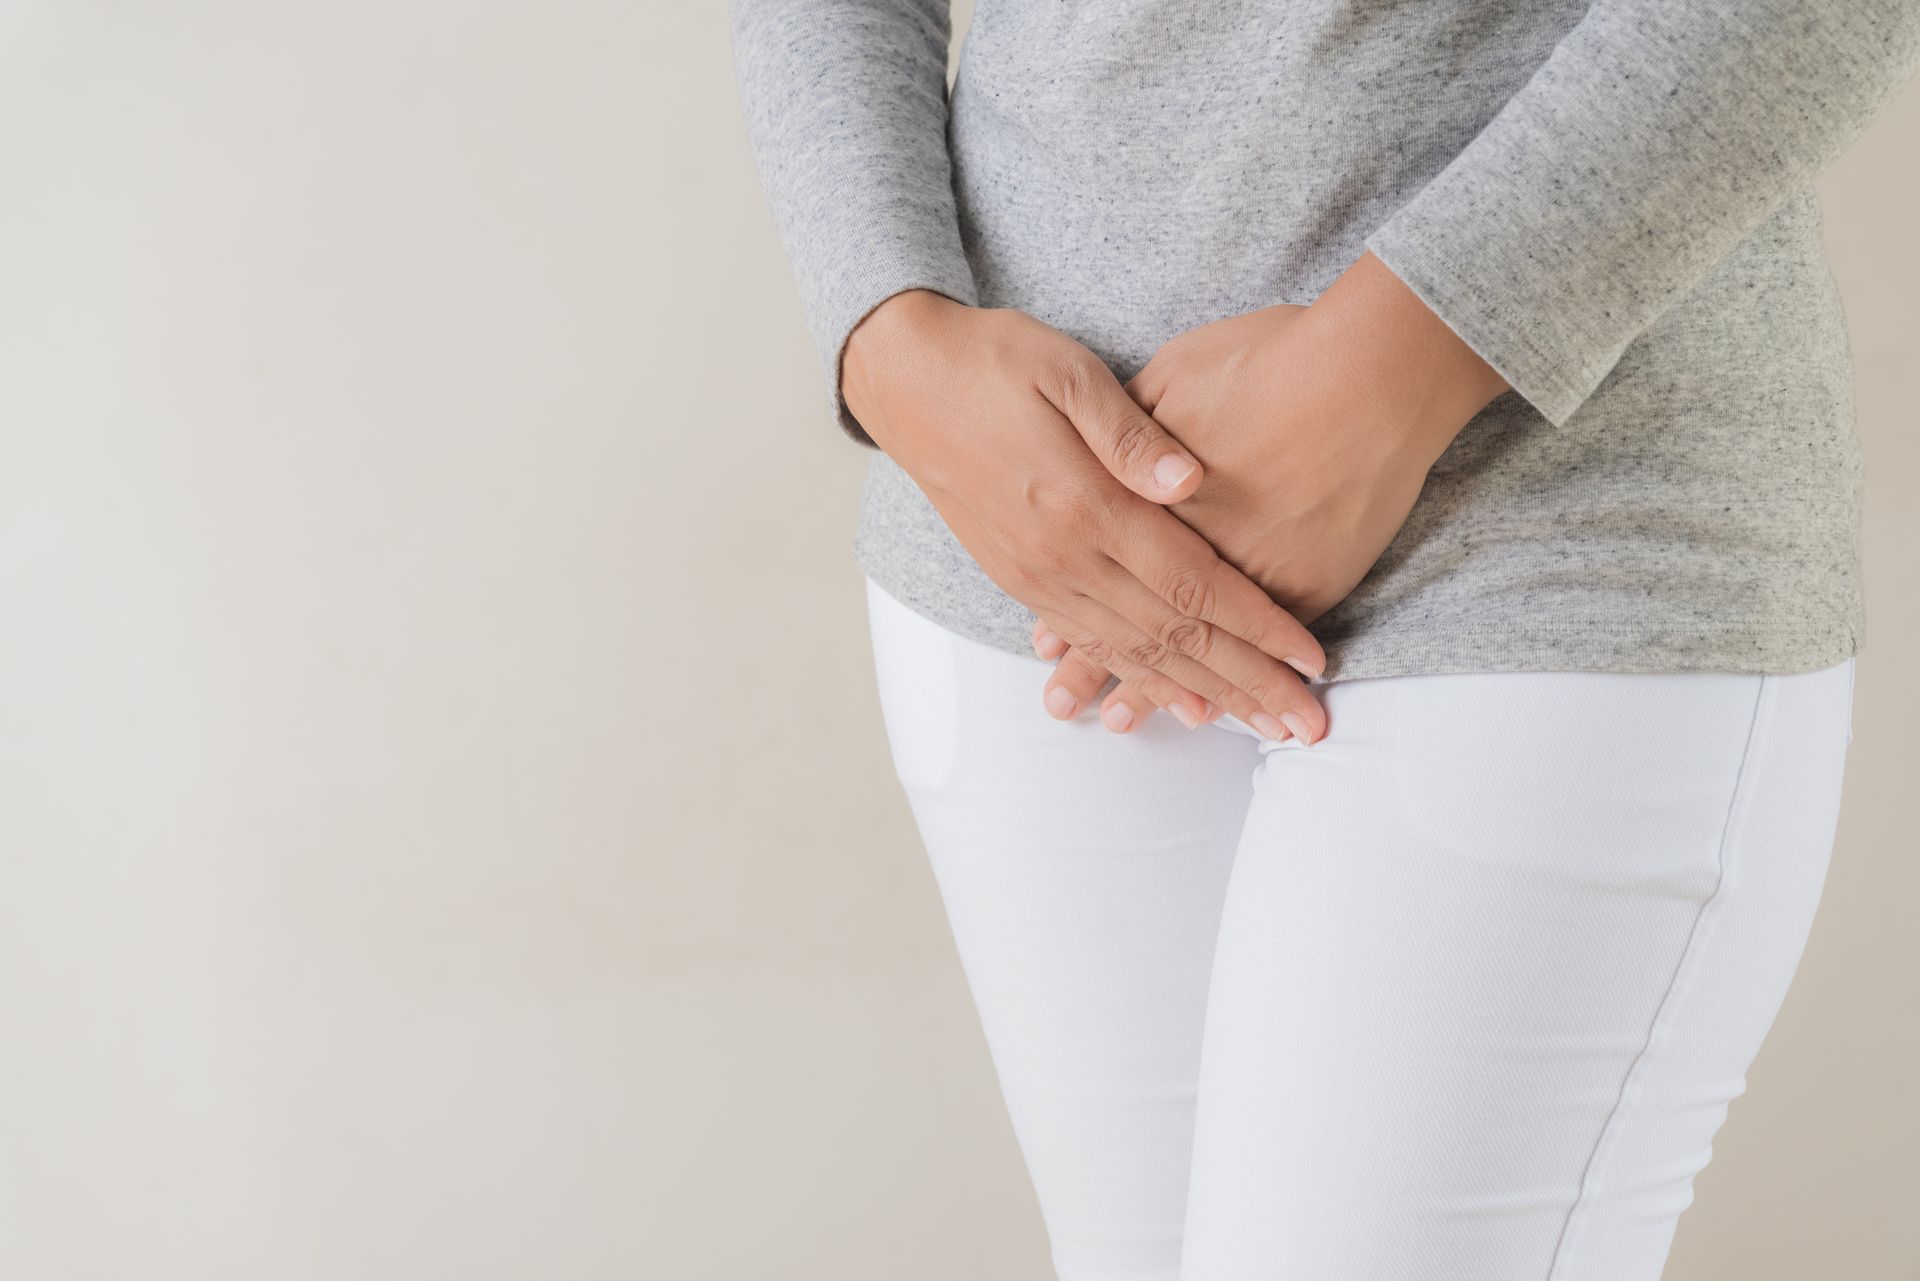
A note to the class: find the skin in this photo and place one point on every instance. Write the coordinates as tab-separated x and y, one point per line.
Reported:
1054	479
1317	427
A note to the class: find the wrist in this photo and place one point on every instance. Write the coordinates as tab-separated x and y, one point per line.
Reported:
885	338
1424	377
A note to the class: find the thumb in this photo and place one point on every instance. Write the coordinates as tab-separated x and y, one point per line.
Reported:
1124	437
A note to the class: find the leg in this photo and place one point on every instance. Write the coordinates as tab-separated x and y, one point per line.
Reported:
1494	961
1082	873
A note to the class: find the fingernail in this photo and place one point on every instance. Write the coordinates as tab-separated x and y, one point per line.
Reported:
1061	704
1116	717
1302	666
1184	714
1267	725
1298	724
1210	711
1172	469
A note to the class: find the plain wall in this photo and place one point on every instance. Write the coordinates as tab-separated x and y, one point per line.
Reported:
445	825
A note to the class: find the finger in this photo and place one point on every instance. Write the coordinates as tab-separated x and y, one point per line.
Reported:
1073	686
1128	443
1093	648
1273	700
1080	680
1046	644
1127	707
1220	667
1184	571
1122	624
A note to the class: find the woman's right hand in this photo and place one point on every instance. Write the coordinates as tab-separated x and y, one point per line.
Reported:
1052	478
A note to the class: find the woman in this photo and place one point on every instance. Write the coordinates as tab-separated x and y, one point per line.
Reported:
1473	366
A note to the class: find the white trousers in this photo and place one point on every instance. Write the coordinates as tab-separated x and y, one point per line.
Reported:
1461	993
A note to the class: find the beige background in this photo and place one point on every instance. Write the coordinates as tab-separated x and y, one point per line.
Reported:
445	828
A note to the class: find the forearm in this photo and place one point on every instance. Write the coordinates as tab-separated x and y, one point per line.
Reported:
846	106
1400	361
1657	137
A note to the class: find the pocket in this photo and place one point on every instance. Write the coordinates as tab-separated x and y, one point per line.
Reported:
1611	780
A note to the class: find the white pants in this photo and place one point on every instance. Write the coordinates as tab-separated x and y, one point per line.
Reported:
1461	993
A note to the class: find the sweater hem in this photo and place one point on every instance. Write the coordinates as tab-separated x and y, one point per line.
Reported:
1557	644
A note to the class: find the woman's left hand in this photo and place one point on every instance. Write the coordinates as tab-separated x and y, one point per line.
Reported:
1316	427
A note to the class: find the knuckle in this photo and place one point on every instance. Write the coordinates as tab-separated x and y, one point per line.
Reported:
1148	652
1042	493
1191	592
1262	689
1095	650
1132	438
1074	374
1189	636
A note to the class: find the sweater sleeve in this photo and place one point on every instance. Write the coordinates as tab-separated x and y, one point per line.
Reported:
1658	135
846	107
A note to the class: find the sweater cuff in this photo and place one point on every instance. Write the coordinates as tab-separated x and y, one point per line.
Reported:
1443	275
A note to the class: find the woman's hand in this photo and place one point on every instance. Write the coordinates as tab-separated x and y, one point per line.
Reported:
1317	427
1052	478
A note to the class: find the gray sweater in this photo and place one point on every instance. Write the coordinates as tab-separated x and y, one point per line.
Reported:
1609	201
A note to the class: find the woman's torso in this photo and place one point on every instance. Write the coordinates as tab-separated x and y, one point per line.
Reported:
1125	177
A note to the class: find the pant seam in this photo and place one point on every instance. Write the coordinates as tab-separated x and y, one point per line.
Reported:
1697	936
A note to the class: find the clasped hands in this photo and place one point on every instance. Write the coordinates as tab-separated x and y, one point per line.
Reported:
1179	532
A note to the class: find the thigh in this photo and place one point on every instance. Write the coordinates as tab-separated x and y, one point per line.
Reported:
1082	873
1494	961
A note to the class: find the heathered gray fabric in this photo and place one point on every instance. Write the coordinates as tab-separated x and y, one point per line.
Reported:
1609	201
